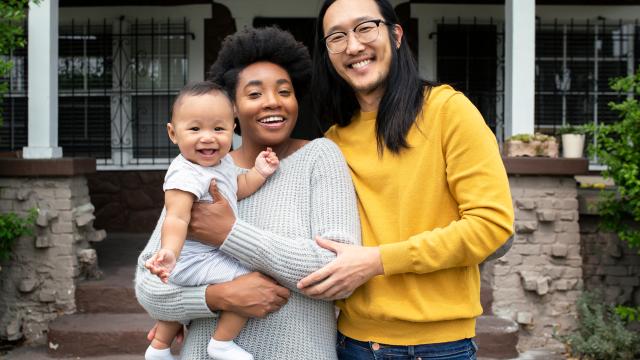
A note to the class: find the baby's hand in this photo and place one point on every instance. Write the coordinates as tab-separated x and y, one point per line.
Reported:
161	264
267	163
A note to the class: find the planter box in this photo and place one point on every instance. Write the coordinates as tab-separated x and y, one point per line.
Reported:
531	148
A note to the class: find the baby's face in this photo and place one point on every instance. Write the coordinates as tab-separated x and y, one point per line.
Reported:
202	127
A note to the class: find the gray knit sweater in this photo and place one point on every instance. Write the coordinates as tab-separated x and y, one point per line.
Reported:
310	194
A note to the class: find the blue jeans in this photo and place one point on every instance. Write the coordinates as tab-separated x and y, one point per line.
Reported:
350	349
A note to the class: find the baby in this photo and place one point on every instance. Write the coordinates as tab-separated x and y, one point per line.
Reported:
202	124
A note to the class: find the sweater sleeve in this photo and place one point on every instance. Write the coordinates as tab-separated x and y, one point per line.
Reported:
166	301
334	216
477	179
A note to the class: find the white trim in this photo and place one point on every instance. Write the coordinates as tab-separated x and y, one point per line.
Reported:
132	167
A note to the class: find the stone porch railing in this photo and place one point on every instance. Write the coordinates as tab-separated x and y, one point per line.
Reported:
537	283
37	283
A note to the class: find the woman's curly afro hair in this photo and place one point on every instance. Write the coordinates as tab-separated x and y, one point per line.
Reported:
269	44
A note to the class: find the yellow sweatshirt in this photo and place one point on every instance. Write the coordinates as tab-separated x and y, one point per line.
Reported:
436	211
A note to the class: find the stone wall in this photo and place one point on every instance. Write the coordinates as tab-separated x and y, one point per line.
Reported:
37	283
127	201
610	266
538	282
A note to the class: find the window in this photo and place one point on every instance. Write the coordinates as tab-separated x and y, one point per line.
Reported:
574	64
116	83
13	132
119	82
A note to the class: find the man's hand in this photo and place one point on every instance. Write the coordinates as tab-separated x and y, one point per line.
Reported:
211	223
353	266
161	264
250	295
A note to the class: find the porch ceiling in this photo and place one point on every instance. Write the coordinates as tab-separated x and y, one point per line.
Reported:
538	2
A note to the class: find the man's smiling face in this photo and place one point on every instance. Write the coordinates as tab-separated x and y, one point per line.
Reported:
364	66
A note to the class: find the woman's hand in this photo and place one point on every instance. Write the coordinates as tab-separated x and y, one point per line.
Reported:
211	223
250	295
353	266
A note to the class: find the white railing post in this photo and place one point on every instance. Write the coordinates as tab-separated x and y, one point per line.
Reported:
520	33
43	81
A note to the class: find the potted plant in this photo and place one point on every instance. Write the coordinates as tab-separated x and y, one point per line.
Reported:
532	145
572	140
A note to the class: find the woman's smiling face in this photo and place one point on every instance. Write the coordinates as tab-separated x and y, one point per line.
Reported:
266	104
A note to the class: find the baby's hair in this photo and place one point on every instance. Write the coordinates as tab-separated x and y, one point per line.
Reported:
197	89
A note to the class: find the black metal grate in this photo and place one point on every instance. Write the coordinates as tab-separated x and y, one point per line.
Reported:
13	132
471	59
574	64
116	82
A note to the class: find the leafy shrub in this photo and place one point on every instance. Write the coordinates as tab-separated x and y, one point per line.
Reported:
628	313
617	146
12	227
601	333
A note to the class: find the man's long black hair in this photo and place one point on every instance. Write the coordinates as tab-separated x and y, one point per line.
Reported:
335	101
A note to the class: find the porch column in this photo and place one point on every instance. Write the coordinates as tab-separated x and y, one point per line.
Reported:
43	81
520	29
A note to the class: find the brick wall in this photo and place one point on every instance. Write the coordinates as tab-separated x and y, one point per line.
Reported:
610	266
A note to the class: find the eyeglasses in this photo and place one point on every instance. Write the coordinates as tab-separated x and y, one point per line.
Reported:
365	32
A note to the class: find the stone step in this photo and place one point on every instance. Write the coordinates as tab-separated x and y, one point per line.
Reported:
84	335
112	294
98	335
40	353
496	337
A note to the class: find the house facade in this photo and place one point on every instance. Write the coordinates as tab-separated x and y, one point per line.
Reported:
528	66
98	78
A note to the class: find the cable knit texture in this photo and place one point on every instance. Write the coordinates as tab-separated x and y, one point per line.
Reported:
310	194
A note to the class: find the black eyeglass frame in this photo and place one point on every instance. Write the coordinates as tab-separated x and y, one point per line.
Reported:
346	34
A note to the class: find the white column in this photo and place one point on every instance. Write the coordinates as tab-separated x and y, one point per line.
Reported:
43	81
520	29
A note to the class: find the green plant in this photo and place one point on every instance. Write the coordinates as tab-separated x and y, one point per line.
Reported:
628	313
601	333
12	227
617	145
529	137
572	129
12	15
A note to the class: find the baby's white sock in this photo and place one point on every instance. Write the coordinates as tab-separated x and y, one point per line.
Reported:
158	354
227	350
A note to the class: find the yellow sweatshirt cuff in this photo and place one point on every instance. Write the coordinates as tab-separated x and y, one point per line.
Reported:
396	258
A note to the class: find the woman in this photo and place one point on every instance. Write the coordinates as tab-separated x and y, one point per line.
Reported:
310	195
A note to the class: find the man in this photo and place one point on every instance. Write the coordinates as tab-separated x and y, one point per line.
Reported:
432	190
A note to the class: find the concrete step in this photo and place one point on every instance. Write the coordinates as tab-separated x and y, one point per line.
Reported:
40	353
536	354
98	335
486	299
112	294
496	337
